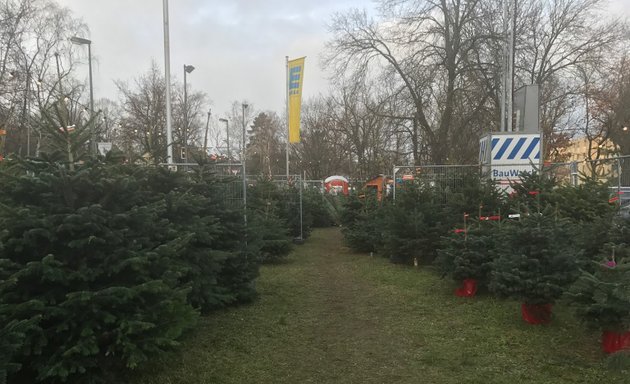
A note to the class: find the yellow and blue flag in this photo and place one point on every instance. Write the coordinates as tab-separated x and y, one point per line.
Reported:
296	75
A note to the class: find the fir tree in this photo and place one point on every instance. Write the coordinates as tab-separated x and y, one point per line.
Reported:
413	227
602	299
317	205
268	225
469	255
537	260
601	296
361	221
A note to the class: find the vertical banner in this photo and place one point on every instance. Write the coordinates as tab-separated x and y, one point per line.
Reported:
296	75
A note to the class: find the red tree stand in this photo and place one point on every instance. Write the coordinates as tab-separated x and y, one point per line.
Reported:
536	313
614	341
468	288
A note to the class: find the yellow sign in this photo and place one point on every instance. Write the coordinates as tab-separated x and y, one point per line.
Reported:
296	75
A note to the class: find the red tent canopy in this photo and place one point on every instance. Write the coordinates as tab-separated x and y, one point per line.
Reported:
336	181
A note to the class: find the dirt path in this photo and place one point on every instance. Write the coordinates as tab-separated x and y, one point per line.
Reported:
352	314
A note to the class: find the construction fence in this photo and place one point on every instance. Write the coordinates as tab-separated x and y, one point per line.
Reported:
615	172
289	189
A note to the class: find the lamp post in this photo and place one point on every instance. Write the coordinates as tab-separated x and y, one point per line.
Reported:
167	81
205	137
82	41
244	161
227	134
187	69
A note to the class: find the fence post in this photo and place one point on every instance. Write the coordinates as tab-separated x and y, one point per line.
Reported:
618	177
394	177
574	173
301	216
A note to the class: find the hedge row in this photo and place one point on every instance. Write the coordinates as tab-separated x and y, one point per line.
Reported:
562	242
105	266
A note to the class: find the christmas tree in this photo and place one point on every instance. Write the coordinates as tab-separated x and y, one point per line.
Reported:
268	225
470	254
412	228
361	220
537	259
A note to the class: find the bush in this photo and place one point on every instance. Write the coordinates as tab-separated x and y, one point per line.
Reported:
105	266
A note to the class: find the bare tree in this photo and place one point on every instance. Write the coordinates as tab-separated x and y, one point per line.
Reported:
237	115
428	50
265	150
556	42
142	128
439	61
36	64
323	149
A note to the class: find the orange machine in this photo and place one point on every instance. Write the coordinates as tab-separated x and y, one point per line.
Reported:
380	186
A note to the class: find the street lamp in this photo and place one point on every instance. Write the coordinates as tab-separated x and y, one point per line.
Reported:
167	81
205	137
244	161
227	133
81	41
187	69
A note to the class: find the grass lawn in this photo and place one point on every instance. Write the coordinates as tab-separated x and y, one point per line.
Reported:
332	316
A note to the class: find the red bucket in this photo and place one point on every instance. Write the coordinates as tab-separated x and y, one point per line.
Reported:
614	341
468	288
536	313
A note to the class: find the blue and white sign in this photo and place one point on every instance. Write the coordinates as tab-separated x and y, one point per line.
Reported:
507	155
515	149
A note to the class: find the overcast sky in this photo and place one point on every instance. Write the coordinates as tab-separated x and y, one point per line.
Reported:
237	46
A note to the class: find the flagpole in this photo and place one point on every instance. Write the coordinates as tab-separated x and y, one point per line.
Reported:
167	80
287	107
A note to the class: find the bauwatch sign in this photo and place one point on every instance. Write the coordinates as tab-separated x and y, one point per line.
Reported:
505	156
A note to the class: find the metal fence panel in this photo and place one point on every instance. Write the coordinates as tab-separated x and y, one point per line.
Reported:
447	177
292	201
613	171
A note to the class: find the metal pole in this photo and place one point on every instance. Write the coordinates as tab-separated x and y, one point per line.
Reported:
229	151
167	79
24	111
287	108
301	215
205	137
394	192
59	74
505	69
93	128
619	178
185	115
510	88
244	161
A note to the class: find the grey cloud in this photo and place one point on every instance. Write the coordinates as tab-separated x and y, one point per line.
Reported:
238	47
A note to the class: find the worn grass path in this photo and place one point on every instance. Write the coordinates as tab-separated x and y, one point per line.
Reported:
332	316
